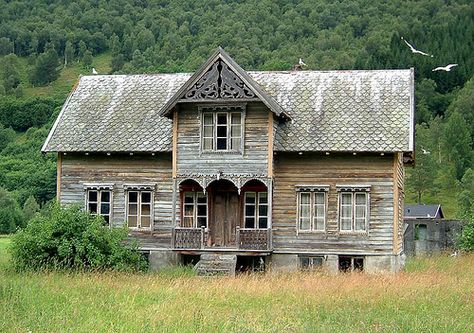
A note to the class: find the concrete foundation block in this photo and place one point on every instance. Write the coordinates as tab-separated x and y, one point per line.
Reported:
161	259
284	263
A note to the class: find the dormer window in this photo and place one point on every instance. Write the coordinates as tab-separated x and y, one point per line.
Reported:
222	129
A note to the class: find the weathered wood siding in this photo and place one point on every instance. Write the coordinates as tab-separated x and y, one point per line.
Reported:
335	169
253	160
399	202
120	170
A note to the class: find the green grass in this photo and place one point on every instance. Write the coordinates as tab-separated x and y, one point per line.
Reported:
68	77
435	294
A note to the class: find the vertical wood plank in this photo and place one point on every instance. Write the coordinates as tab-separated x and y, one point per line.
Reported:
58	176
395	203
270	144
175	142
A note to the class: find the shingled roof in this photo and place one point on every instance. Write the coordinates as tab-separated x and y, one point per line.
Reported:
329	110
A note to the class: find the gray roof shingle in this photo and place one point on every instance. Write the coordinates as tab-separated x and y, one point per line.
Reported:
329	110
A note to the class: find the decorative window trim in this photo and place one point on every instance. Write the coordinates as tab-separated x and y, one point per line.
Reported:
257	205
139	187
228	109
195	204
354	190
139	215
99	188
311	189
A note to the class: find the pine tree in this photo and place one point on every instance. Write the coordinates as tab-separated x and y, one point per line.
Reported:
46	67
458	141
68	53
87	59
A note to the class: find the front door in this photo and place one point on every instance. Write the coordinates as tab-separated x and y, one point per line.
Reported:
225	218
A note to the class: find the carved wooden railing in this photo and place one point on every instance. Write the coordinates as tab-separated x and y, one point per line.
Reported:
253	239
188	238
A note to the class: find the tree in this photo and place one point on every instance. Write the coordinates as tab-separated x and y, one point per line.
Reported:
30	208
458	140
464	105
69	51
6	46
46	68
117	62
9	73
6	136
87	59
11	216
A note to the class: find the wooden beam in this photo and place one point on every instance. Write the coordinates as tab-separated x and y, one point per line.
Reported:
59	166
270	144
175	144
395	203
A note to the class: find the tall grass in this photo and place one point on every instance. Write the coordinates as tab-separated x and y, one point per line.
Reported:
429	297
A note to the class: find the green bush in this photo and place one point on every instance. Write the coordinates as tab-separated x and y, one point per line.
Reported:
466	239
11	216
68	238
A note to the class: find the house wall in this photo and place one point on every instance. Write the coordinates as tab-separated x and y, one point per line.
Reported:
253	160
292	169
120	170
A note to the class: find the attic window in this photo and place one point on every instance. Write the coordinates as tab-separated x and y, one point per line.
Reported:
222	129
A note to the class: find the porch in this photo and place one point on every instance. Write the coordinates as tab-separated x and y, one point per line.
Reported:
222	217
198	239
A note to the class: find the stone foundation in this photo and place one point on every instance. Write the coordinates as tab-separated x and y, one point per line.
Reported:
159	259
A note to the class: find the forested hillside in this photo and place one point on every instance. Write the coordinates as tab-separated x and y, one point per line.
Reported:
46	44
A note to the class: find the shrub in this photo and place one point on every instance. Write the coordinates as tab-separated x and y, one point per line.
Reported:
466	239
72	239
11	215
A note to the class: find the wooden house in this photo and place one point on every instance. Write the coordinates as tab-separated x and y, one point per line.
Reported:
294	169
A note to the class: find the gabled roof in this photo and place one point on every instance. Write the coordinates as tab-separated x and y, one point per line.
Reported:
352	111
423	212
220	54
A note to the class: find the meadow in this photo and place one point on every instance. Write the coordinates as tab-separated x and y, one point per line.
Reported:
434	294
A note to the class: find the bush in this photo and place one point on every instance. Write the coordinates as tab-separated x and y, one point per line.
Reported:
68	238
11	215
466	239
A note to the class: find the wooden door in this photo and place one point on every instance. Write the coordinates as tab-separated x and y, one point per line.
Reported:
225	218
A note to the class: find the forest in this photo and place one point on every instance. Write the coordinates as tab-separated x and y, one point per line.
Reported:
46	44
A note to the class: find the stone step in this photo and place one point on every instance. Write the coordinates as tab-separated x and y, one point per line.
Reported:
216	264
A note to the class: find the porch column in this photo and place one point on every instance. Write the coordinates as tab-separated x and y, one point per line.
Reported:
270	212
173	215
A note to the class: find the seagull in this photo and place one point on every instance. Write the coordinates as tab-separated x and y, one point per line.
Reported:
445	68
301	63
425	152
415	50
94	71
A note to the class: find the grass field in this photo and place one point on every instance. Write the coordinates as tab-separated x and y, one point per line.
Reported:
433	295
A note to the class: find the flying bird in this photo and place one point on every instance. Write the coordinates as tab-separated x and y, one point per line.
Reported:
425	152
301	63
94	71
413	50
445	68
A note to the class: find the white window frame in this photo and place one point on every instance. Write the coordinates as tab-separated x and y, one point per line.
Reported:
99	188
195	205
139	214
257	205
354	191
228	111
312	191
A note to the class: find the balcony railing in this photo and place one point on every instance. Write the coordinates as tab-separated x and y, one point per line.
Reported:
246	239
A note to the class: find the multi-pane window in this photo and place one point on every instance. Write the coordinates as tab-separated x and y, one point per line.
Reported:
353	211
310	263
221	131
194	210
256	210
139	209
98	203
312	211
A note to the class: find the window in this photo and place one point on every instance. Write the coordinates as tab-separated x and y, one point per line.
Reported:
194	210
353	209
222	130
256	210
312	207
310	263
348	263
139	209
98	203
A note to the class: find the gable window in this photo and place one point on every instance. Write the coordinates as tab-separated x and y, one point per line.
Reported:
353	208
222	129
99	200
312	207
256	210
194	210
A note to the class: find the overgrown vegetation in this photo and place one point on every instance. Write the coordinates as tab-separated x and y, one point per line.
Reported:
434	295
63	238
46	45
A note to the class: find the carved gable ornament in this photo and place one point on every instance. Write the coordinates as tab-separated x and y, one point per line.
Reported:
219	81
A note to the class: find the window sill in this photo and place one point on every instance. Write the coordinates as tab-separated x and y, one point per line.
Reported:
354	233
221	152
318	232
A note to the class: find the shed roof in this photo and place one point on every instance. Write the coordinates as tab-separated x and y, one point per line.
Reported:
329	111
423	211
